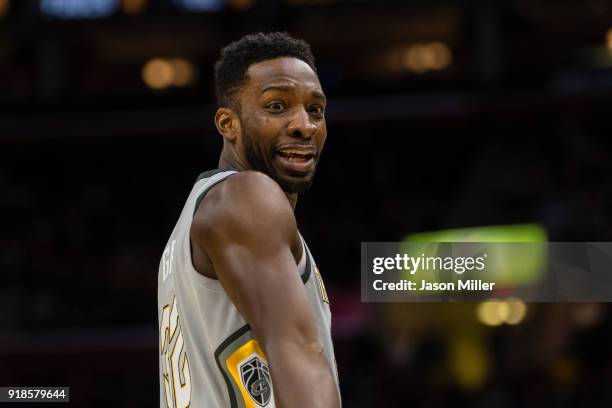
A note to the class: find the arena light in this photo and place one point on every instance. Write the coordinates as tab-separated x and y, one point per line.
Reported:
517	309
133	7
423	57
158	73
488	313
415	59
161	73
78	9
609	39
183	72
200	5
508	269
5	6
441	56
495	313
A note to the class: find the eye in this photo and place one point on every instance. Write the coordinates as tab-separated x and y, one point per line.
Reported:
316	109
276	106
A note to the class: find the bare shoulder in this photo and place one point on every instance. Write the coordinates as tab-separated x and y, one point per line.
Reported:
246	204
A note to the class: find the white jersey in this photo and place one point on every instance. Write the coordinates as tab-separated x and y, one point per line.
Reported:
208	356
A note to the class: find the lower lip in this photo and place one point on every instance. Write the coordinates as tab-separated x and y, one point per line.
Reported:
301	166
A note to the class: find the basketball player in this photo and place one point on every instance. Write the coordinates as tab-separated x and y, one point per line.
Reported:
244	317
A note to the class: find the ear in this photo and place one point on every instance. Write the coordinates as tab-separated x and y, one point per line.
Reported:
228	124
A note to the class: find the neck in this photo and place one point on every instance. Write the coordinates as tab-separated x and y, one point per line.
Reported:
230	160
226	160
292	197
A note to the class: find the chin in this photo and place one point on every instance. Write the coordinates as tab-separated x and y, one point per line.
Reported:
295	184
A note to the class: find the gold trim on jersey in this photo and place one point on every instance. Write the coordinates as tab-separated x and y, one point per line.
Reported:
322	290
175	370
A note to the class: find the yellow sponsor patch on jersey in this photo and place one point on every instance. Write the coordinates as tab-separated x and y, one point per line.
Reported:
248	366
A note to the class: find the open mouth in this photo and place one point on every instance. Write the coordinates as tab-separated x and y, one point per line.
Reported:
296	156
297	160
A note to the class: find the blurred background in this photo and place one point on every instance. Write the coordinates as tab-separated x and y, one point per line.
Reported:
441	115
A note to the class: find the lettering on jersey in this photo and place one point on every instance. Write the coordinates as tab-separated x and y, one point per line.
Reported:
255	376
175	365
167	260
322	290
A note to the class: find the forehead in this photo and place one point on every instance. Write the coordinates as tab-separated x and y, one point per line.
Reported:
285	70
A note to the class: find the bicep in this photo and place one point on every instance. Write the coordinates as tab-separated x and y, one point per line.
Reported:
267	290
247	234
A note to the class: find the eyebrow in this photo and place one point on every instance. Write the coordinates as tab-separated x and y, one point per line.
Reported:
290	88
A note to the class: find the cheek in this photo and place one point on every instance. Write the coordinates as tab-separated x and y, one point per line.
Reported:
257	138
270	126
268	130
323	135
263	130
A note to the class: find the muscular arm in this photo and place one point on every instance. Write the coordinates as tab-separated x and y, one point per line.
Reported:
246	226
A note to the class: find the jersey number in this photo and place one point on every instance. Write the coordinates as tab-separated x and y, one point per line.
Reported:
175	366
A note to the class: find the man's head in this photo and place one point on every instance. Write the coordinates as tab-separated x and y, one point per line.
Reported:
271	108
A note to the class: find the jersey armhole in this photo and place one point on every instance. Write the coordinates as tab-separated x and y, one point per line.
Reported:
210	283
302	264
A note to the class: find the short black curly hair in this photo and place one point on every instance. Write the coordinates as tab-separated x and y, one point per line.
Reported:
237	57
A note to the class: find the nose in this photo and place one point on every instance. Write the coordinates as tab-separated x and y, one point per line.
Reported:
301	124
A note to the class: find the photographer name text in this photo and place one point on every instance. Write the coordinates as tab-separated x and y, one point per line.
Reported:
406	285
